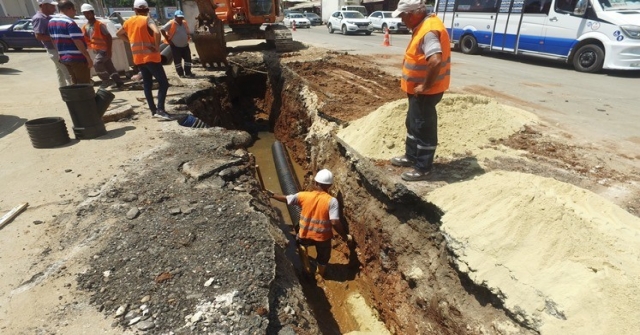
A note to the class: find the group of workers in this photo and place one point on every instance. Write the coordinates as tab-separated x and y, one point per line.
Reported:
68	47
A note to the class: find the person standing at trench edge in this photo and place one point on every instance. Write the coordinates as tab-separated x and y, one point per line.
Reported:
144	36
320	214
176	33
425	76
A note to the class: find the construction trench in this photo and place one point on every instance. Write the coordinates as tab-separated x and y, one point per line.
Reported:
376	286
399	277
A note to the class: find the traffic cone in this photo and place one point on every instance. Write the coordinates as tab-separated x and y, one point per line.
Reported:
293	26
387	38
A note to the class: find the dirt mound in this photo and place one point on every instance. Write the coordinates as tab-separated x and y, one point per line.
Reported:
562	259
465	123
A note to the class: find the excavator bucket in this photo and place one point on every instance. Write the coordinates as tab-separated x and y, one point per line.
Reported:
208	36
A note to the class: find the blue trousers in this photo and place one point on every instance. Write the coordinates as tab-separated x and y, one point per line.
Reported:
150	71
422	129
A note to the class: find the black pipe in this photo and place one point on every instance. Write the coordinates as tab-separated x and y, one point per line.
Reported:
287	178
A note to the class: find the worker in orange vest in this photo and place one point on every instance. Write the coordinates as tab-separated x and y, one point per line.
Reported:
425	76
144	36
320	214
176	33
99	40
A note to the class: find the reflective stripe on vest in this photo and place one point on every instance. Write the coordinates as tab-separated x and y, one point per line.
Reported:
314	217
172	30
97	40
415	66
143	44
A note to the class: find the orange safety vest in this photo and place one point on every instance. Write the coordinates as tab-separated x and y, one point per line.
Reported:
414	67
172	30
97	40
314	217
143	43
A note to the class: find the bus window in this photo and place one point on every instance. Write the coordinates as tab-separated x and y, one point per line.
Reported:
565	6
478	6
532	7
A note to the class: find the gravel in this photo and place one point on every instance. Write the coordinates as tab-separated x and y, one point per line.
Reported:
195	250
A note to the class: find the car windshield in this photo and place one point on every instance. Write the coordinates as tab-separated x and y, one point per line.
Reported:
353	15
297	16
23	25
387	15
312	15
619	4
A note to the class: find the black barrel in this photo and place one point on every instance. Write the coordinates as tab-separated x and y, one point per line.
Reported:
287	178
47	132
103	100
81	103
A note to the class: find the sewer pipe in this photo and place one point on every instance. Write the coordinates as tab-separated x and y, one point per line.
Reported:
286	177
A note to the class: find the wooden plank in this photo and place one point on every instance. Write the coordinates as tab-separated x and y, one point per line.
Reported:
12	214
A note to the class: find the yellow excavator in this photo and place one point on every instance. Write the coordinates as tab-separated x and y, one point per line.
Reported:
247	19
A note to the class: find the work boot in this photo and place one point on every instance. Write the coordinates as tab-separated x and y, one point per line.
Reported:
402	161
417	175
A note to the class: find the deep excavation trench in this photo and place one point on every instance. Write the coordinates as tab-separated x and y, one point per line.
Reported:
399	272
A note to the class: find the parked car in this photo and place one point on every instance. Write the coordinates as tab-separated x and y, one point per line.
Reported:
349	22
314	18
3	58
382	19
298	18
19	35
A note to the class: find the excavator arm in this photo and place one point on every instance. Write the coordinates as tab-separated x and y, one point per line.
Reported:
248	19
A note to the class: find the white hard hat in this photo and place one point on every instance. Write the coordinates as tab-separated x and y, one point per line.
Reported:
86	7
140	4
324	176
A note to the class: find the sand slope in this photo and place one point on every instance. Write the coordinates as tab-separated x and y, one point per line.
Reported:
563	259
465	122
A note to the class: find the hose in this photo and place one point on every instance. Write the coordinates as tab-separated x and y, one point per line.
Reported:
287	179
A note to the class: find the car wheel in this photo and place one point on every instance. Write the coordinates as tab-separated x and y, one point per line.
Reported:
344	30
330	28
367	33
4	44
589	58
384	27
469	45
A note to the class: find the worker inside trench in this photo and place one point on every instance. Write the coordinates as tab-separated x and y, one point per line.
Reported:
245	101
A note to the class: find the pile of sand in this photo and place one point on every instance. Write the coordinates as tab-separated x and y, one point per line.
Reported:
563	259
466	122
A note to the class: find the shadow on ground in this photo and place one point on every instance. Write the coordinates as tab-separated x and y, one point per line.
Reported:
9	123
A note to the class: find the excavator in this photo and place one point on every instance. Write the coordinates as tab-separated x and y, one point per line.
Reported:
248	19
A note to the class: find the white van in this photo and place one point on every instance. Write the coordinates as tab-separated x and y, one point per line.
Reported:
360	9
590	34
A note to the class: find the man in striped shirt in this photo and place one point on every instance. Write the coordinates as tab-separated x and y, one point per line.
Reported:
69	41
41	30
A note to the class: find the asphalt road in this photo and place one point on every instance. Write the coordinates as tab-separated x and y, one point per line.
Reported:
595	108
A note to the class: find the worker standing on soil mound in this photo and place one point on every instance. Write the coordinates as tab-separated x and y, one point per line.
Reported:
320	212
425	77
